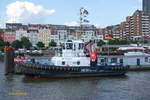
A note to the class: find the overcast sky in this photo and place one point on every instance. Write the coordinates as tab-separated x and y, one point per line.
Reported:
101	12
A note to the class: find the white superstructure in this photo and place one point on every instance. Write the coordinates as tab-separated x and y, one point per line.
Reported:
133	51
72	55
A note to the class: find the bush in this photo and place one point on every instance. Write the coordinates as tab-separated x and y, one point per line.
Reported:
100	43
52	44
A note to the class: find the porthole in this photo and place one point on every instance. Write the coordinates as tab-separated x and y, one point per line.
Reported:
78	62
63	62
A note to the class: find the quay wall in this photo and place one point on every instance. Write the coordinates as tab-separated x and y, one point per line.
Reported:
1	58
140	68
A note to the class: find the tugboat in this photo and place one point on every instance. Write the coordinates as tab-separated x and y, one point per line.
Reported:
72	62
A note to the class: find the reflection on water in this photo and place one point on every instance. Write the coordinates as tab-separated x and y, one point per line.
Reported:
133	86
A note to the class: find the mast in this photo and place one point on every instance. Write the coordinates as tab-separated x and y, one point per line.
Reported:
83	20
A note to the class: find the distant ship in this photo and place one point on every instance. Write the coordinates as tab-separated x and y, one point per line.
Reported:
72	62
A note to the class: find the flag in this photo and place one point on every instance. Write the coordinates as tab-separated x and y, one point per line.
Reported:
85	12
85	20
85	15
94	46
88	46
110	37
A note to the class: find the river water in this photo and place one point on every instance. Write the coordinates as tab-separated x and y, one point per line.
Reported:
133	86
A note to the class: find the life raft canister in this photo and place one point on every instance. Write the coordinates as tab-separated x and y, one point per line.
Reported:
93	56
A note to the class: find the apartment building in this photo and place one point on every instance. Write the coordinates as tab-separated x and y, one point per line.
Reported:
136	25
21	32
9	35
44	35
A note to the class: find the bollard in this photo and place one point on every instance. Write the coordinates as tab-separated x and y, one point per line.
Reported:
9	60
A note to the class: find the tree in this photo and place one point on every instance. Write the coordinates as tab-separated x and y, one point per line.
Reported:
17	44
7	44
124	42
100	43
40	44
26	42
119	42
2	44
134	41
1	30
114	42
52	44
145	42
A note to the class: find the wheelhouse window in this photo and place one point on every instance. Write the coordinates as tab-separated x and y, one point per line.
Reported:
121	61
63	45
113	60
69	46
146	59
102	60
81	45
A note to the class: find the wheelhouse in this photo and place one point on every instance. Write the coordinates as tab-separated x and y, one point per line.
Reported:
73	45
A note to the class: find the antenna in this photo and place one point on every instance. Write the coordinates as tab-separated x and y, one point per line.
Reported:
83	19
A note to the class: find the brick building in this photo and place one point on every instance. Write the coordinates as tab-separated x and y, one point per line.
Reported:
136	25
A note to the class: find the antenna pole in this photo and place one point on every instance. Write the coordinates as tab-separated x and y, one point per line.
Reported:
83	15
81	21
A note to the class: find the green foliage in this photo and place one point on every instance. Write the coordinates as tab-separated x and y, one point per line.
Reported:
7	44
1	30
26	42
145	42
118	42
17	44
2	44
52	44
100	43
40	44
134	41
126	42
140	41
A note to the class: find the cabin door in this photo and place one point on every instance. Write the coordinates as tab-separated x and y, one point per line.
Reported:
138	62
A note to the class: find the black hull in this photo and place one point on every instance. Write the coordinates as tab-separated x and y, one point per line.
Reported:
66	72
73	75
